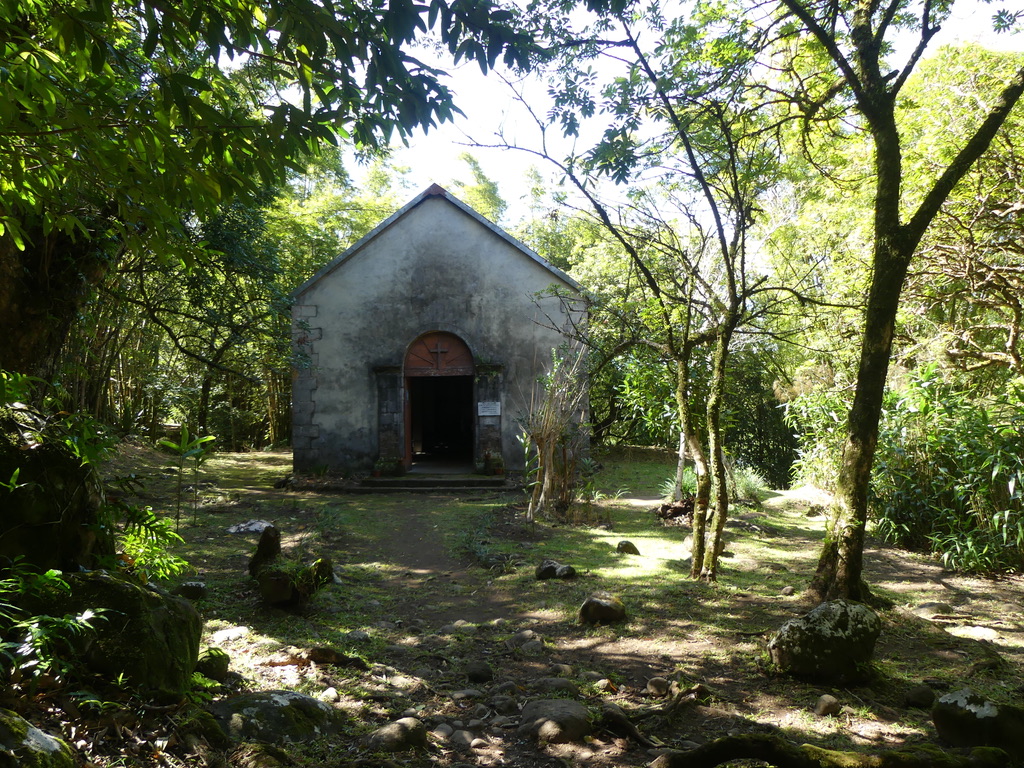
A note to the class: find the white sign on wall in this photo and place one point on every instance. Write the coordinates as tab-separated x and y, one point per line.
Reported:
489	408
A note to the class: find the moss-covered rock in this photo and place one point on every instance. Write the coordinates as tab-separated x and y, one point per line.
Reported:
214	664
276	717
148	639
22	745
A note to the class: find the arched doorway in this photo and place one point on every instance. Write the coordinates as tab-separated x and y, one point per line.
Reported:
439	416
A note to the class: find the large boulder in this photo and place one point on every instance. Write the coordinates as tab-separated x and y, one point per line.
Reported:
833	643
51	516
965	719
146	638
22	745
276	717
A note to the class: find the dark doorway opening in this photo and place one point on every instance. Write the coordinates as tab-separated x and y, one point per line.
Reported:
441	419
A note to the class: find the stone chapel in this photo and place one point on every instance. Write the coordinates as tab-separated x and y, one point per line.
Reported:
423	342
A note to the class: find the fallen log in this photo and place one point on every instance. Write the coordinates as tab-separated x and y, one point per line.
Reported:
780	753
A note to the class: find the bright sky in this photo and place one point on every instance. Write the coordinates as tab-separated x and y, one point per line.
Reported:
490	109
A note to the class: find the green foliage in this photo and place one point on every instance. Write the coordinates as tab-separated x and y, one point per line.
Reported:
688	487
33	646
949	475
158	112
146	541
188	451
817	417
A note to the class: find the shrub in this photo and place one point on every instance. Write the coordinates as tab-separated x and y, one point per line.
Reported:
949	475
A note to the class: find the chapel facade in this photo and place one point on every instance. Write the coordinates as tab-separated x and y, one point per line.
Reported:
423	342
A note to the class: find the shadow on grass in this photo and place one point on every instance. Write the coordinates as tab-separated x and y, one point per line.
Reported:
408	568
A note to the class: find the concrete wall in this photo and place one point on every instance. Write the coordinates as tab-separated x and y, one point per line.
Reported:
434	268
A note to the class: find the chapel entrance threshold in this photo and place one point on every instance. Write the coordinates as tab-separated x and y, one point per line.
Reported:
440	465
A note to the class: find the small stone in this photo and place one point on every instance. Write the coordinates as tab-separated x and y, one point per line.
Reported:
357	636
479	672
191	590
506	688
500	721
407	733
919	697
556	685
461	738
330	695
602	608
214	664
480	711
593	676
627	548
560	670
604	684
506	705
787	590
479	743
533	648
827	706
468	693
521	638
442	731
658	686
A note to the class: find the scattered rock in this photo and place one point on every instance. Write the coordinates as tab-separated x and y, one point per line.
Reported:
214	663
658	686
467	693
833	643
521	638
919	697
22	745
827	706
479	672
627	548
787	591
462	738
965	719
505	705
555	720
555	685
250	526
402	735
260	756
190	590
442	731
276	717
560	670
552	569
676	512
330	695
602	608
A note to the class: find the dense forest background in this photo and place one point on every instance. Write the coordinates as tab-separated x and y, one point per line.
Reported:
723	225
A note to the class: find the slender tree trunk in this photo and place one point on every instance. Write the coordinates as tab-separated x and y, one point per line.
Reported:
716	450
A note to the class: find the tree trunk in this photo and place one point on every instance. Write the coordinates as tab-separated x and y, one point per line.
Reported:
41	290
716	450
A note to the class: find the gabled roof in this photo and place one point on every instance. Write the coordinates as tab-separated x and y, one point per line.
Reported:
434	190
